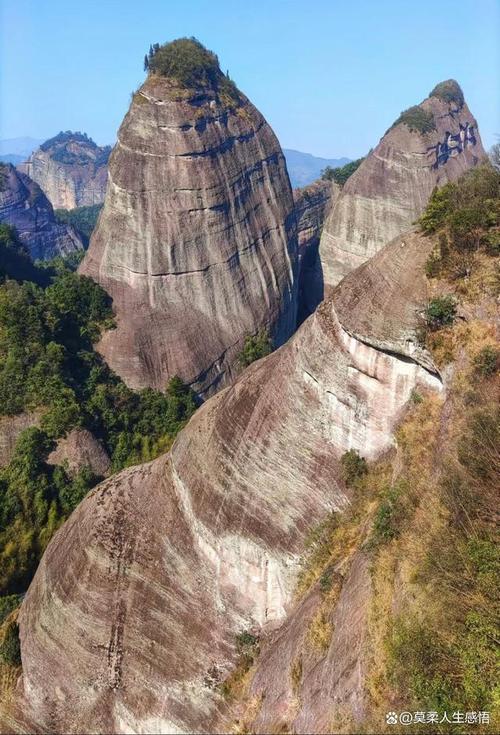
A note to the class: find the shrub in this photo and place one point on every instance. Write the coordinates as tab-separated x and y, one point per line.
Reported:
255	347
486	361
437	209
440	312
416	119
418	665
433	265
449	91
15	261
416	397
8	603
342	173
83	219
389	516
353	467
67	137
10	648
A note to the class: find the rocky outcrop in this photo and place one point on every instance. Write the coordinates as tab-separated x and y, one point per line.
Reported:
426	147
312	204
24	206
81	449
196	242
131	619
10	428
70	169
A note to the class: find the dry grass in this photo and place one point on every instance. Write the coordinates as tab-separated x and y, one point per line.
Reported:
296	674
320	631
8	674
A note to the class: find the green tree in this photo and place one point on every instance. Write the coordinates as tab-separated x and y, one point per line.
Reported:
10	648
353	467
255	347
440	312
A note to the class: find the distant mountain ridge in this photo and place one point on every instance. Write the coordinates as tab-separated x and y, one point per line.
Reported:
17	150
304	168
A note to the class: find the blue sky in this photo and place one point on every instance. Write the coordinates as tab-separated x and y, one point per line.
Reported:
329	75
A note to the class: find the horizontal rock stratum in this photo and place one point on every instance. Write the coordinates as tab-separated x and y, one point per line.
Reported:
70	169
197	239
131	618
429	145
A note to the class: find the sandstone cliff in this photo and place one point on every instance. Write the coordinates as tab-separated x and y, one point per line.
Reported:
24	206
130	622
427	146
196	242
70	169
312	204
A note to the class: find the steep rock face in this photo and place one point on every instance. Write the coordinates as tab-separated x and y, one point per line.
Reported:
312	204
24	206
81	449
196	243
70	169
390	189
131	619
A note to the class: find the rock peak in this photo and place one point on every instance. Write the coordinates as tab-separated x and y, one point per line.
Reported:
449	91
196	243
187	63
429	145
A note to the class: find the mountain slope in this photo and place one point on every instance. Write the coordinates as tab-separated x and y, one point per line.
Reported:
304	168
427	146
24	206
197	239
205	540
70	169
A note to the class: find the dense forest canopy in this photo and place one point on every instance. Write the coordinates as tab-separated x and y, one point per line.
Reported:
48	324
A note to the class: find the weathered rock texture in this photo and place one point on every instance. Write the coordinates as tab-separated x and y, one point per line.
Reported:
70	169
330	686
391	188
312	204
196	242
10	428
81	449
24	206
131	618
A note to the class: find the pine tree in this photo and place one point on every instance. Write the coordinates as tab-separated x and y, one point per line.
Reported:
146	62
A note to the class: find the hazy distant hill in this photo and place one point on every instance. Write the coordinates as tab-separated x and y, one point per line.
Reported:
17	147
305	168
13	158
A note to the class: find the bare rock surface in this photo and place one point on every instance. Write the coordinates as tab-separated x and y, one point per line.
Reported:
197	239
391	188
24	206
81	449
329	685
10	428
70	169
312	204
131	618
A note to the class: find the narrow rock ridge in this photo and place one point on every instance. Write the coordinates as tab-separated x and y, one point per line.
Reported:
70	169
24	206
312	205
222	218
131	618
391	188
